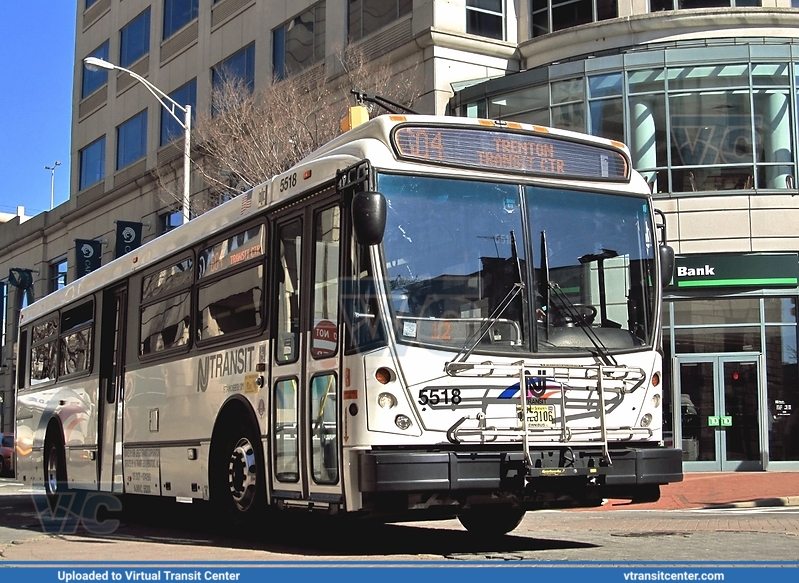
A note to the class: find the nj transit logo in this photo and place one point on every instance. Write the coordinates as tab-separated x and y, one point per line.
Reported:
537	388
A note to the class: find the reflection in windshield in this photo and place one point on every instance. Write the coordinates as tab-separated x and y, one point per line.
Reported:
450	262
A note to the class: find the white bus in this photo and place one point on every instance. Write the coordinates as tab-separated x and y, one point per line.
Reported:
428	317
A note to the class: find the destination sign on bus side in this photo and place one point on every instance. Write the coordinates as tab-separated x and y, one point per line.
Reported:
482	148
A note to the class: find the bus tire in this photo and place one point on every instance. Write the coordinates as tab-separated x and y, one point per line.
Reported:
238	488
55	470
645	494
491	519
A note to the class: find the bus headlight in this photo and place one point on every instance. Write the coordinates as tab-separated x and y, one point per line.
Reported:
656	400
646	420
386	400
402	421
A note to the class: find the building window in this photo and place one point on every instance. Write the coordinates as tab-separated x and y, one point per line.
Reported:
661	5
299	43
132	140
486	18
177	14
169	221
89	3
134	39
184	95
553	15
58	274
93	80
367	16
92	163
237	68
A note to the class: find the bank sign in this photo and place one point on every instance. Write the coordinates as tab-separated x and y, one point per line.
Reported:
752	270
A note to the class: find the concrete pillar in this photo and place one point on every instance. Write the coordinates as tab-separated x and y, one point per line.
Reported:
643	147
777	139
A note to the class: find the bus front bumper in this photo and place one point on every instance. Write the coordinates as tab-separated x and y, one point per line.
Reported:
447	471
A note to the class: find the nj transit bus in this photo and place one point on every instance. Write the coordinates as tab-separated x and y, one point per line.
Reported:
428	317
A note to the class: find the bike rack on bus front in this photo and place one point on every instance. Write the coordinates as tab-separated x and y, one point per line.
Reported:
600	378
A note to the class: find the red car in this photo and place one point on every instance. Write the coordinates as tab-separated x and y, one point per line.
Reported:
6	454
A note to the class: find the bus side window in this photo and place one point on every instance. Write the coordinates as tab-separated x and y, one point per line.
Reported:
44	343
75	342
165	312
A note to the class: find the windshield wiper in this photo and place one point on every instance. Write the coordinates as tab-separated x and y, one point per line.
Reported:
475	338
487	323
579	318
552	290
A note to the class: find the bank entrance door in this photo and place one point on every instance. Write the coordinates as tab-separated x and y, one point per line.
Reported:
720	412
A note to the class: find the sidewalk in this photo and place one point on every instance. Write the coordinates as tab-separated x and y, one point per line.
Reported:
719	489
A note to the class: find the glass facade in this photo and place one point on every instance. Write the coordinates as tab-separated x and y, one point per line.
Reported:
739	331
720	116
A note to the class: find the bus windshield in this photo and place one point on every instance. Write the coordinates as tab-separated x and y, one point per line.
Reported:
519	269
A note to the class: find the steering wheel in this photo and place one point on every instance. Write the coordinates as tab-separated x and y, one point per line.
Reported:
577	314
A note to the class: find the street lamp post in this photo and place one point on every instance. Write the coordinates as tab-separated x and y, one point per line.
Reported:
52	180
171	106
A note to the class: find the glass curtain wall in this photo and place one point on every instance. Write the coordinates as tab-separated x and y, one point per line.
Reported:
740	325
722	118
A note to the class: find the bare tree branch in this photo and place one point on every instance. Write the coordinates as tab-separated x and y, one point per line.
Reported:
250	136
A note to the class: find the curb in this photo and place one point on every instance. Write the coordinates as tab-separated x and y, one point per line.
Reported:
760	503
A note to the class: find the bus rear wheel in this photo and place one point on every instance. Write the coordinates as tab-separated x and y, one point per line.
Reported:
237	480
491	519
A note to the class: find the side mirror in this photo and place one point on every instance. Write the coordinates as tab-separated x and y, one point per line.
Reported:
369	217
666	264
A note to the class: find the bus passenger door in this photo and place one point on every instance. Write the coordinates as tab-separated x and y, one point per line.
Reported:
306	441
112	376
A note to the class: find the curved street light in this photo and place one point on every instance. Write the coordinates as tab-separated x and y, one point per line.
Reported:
172	106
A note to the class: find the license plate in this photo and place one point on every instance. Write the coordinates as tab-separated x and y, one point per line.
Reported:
540	416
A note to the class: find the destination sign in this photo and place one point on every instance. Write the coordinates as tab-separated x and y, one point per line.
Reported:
505	151
229	252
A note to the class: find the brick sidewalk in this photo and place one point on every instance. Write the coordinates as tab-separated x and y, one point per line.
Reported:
698	490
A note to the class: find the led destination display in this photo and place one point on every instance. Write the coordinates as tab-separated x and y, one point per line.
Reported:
505	151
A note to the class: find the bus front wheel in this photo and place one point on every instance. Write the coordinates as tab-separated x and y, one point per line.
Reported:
55	470
237	481
491	519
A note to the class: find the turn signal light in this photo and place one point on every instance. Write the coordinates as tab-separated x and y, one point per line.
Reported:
384	375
